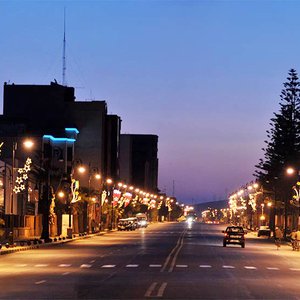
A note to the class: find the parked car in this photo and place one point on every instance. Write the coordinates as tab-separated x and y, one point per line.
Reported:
234	235
264	231
127	224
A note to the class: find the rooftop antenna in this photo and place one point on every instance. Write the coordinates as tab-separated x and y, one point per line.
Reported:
64	53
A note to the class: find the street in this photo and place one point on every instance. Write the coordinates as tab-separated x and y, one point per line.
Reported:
165	261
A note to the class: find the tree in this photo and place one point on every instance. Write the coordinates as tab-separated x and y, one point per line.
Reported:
283	147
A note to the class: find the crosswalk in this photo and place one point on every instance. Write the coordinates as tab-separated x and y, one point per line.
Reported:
155	266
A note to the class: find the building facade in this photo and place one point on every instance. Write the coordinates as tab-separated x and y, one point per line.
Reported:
41	111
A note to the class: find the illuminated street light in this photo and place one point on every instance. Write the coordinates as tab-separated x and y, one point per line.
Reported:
61	194
81	169
290	171
98	176
28	143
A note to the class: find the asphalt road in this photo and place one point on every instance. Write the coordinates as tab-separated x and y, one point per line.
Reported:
164	261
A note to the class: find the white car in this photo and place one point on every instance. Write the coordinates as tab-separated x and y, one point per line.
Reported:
264	231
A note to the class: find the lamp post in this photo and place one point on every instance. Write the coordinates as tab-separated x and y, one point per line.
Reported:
296	197
109	183
28	145
74	187
93	173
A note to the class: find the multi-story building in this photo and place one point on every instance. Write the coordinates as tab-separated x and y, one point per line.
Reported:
139	161
39	110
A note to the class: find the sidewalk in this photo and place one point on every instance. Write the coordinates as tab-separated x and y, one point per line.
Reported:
284	246
38	243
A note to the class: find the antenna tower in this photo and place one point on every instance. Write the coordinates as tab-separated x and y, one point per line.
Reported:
64	53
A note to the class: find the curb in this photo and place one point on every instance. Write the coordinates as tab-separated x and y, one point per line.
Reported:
18	249
53	243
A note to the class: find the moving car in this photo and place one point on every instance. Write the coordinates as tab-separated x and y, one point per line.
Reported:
264	231
142	221
234	235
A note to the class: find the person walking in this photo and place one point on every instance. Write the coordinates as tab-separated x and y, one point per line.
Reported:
278	237
297	240
293	237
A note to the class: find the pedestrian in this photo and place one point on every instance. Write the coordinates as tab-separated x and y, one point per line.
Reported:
293	239
297	239
278	237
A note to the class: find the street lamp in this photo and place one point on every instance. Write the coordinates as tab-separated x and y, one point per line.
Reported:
295	202
93	173
27	145
109	187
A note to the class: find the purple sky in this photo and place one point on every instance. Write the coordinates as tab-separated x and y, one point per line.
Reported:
205	76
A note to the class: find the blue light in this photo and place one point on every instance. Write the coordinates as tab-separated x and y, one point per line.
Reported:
53	139
72	129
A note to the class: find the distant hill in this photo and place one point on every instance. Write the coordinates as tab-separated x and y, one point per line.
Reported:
198	208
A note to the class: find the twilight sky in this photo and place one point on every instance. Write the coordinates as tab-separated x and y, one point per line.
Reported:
205	76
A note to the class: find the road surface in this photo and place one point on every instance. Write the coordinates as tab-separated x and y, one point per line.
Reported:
163	261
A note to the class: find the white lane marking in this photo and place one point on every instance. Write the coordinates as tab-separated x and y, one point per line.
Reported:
175	250
41	265
180	245
150	289
108	266
181	266
154	266
132	266
161	289
228	267
294	269
21	265
250	267
92	261
85	266
66	273
64	265
40	282
271	268
205	266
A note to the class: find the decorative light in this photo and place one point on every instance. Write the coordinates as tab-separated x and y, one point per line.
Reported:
75	190
296	197
23	176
